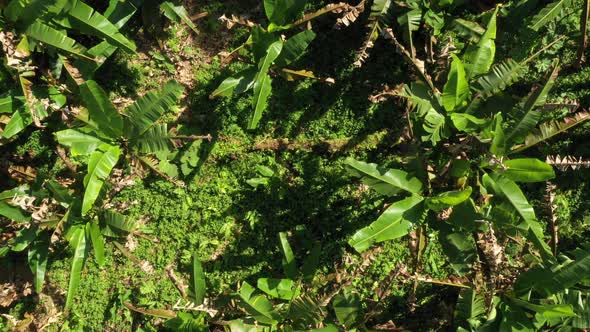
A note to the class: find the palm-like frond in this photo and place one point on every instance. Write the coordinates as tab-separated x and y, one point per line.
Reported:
379	10
418	97
154	165
529	108
306	311
435	127
115	224
146	110
410	22
549	129
26	12
501	76
50	36
556	278
155	139
549	13
470	309
86	19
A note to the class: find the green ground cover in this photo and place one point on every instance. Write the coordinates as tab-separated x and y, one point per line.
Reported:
244	187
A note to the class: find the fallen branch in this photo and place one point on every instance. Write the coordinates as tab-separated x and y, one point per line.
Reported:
191	306
178	282
63	156
207	137
331	145
161	313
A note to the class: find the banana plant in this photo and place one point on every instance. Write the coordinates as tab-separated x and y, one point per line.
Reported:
153	10
48	26
106	134
552	11
549	296
408	16
473	84
43	26
104	137
270	54
280	303
41	213
418	209
274	304
44	22
464	181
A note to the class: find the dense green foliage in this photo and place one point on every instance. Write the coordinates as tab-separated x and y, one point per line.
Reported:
293	165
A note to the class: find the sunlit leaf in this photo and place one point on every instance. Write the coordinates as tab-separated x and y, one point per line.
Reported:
115	224
197	281
20	119
263	83
13	213
295	47
37	258
77	242
93	233
258	306
479	57
50	36
528	170
101	112
456	89
238	83
78	142
285	289
448	199
86	19
178	14
394	223
387	182
100	164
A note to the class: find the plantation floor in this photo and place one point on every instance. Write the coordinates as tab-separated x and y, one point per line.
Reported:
233	225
